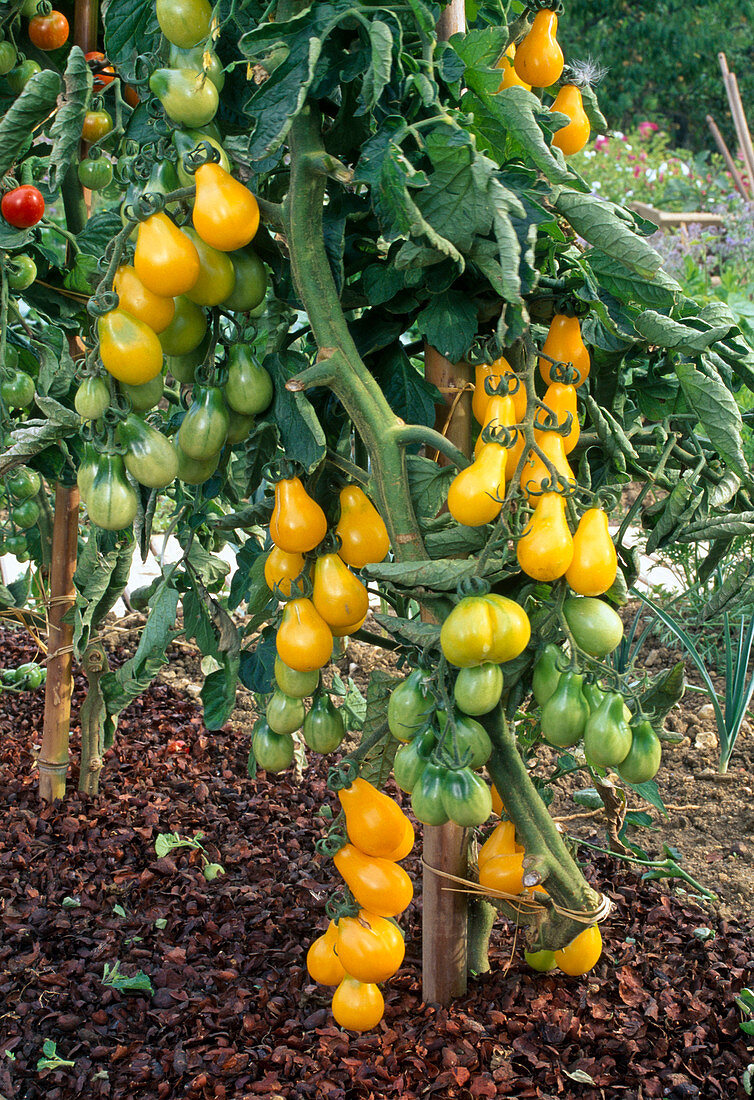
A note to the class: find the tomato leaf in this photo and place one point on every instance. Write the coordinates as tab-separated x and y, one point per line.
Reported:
24	115
102	572
132	29
377	75
136	674
449	323
718	414
69	118
218	692
613	276
300	431
607	227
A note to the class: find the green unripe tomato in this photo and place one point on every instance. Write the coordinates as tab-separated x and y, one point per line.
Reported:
22	271
596	627
285	715
541	960
23	483
26	514
295	684
17	390
8	57
478	689
19	77
95	174
92	398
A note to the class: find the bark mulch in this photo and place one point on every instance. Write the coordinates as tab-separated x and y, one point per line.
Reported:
233	1012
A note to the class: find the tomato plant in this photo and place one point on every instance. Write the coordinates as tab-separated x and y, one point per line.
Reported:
279	400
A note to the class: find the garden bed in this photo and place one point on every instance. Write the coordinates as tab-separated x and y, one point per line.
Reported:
234	1013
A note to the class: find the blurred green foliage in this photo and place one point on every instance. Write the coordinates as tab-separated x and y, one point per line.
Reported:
662	60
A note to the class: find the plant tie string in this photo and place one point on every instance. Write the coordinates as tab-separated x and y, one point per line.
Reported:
525	906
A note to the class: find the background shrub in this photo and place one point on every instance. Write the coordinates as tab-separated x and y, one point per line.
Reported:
662	60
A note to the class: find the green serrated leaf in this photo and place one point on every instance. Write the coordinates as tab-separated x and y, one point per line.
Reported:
35	103
603	225
377	75
718	413
300	431
69	118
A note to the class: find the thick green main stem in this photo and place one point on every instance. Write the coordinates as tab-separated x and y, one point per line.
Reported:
341	366
546	853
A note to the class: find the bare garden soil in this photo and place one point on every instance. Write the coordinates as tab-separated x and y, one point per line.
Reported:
233	1012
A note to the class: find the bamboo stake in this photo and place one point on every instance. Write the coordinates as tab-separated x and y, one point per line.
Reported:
53	756
739	116
723	148
445	915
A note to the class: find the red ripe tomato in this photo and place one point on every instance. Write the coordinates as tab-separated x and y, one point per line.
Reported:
23	206
49	32
104	72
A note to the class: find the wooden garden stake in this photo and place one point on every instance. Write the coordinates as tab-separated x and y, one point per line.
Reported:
444	912
53	756
739	116
723	148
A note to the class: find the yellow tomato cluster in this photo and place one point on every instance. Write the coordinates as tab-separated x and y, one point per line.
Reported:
339	601
538	63
176	272
547	549
357	952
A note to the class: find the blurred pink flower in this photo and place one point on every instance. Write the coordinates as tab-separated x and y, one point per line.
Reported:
647	128
637	170
601	142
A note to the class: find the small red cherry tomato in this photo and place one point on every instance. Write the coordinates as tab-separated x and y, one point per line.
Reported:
23	206
49	32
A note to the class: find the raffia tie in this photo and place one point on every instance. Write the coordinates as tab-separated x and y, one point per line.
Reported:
525	906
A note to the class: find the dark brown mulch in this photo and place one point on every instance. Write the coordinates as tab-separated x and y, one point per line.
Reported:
234	1014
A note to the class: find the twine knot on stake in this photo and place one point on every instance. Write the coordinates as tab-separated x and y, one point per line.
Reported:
525	906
